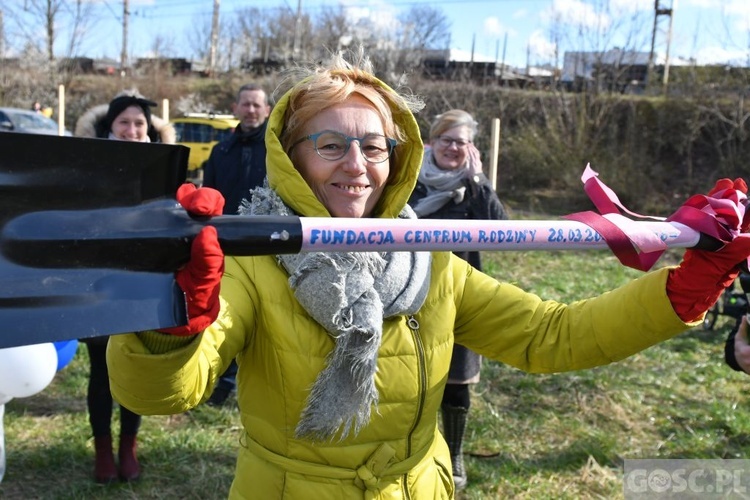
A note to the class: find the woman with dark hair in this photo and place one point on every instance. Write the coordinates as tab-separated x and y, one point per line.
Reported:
126	118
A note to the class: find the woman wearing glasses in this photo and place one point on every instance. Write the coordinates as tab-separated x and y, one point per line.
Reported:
451	185
343	357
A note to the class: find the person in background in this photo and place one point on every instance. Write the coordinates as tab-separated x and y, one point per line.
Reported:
737	347
42	110
236	166
451	185
238	163
343	356
126	118
129	124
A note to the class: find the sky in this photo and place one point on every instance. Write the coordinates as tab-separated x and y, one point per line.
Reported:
517	32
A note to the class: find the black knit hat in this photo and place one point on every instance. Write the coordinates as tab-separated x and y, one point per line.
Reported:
120	104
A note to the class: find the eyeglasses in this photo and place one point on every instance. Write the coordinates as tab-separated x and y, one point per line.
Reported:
333	146
446	142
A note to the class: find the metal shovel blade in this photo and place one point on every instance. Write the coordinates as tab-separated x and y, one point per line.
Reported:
40	173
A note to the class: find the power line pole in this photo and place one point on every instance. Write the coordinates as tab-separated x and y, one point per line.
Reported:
663	12
124	52
214	39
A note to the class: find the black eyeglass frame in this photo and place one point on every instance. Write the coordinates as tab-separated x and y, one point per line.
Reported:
460	144
392	143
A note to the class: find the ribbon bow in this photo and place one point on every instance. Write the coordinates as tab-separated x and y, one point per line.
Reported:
721	214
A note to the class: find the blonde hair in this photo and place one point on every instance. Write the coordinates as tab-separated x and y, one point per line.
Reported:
336	81
452	119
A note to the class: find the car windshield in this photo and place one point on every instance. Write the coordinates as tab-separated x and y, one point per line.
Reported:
224	133
31	120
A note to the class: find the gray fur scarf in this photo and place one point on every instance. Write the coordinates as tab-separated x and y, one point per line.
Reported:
362	288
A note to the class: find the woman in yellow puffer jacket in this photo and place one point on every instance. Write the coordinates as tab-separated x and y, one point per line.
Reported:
343	357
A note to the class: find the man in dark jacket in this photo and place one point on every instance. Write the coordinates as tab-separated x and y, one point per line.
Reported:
238	164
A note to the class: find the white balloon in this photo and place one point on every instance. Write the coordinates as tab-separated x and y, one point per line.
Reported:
27	370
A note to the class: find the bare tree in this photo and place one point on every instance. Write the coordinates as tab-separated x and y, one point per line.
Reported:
252	37
721	93
2	34
332	29
297	27
424	27
419	29
79	18
270	34
162	46
49	10
227	57
275	36
603	46
50	17
198	36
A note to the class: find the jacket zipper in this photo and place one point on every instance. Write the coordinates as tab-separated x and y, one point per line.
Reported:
413	325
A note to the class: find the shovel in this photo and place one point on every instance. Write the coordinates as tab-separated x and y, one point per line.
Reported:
91	234
49	173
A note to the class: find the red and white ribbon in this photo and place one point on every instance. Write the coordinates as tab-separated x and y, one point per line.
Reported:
720	214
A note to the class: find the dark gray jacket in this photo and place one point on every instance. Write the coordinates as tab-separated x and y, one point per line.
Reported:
236	165
480	203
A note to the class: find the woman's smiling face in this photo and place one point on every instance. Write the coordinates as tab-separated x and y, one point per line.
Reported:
130	125
350	186
450	149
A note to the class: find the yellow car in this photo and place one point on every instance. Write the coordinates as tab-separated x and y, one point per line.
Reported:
201	132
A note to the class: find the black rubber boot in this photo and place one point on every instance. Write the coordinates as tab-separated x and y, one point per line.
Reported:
454	424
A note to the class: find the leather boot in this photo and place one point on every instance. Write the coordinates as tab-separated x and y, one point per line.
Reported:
454	424
105	470
130	469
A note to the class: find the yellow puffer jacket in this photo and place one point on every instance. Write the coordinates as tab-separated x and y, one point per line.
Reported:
280	351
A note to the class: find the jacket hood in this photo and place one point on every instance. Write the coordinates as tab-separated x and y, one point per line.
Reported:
87	124
289	184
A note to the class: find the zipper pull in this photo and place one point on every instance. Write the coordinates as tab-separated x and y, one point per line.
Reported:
412	323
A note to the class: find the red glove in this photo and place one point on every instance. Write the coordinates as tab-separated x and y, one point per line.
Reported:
702	276
200	278
204	201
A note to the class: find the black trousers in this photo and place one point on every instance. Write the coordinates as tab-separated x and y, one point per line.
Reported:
99	397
